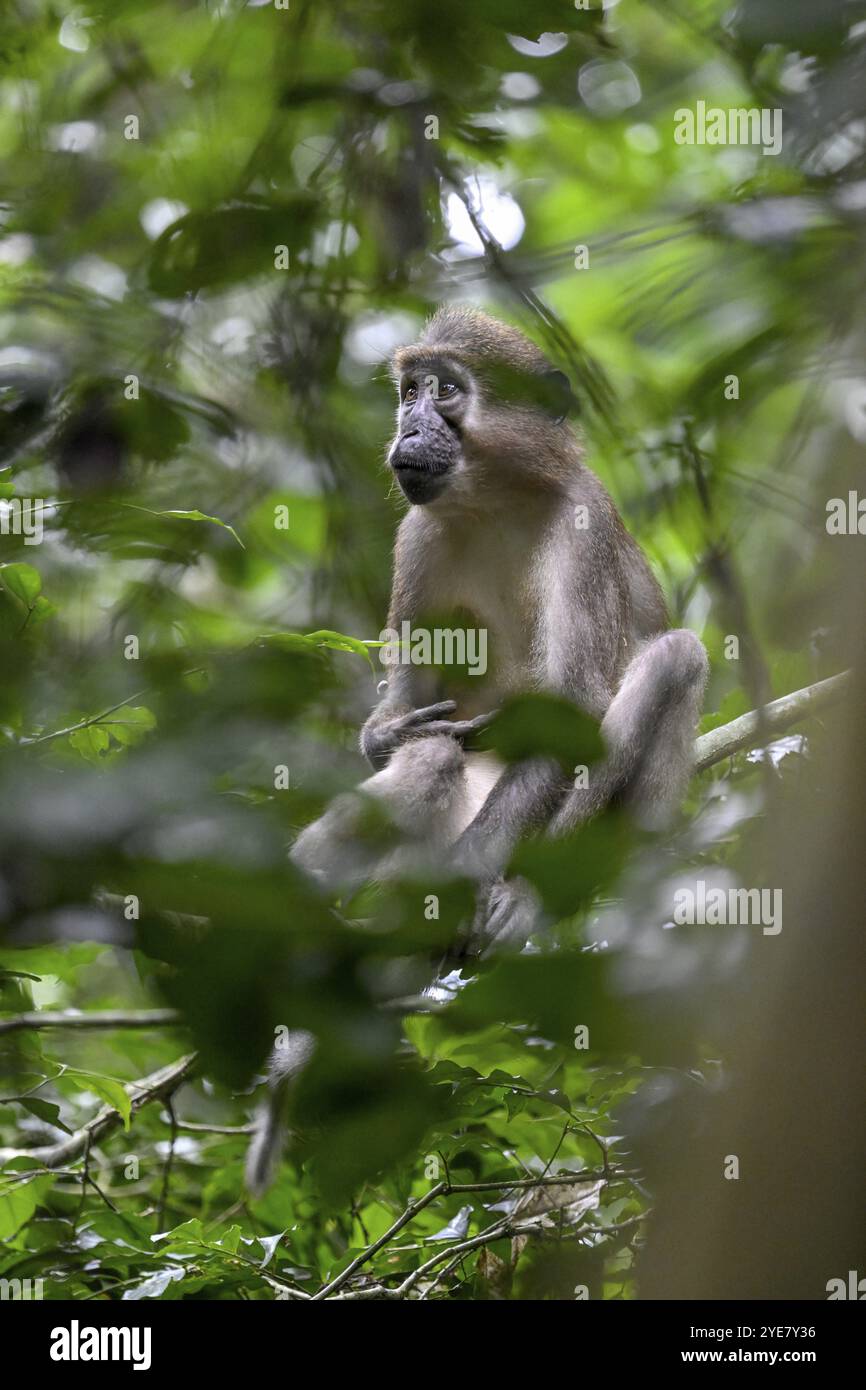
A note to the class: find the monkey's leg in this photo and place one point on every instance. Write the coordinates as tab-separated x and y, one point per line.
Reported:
524	798
507	910
649	730
421	794
506	916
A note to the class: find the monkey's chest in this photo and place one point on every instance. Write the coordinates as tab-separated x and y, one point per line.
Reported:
498	619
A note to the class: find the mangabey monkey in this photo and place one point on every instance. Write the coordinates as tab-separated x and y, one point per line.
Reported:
507	524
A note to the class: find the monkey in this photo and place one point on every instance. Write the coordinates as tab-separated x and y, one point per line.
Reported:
507	523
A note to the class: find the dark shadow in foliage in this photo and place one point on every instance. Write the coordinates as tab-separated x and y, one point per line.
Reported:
227	244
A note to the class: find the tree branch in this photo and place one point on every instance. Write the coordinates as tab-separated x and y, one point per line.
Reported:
731	738
112	1018
445	1189
158	1086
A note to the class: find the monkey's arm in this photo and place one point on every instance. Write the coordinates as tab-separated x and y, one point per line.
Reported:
412	704
524	799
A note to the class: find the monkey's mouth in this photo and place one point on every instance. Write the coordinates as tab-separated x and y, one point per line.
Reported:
420	465
421	472
420	481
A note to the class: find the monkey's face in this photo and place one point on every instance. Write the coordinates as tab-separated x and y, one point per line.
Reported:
427	452
462	434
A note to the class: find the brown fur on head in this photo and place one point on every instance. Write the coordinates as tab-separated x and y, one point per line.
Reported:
474	337
481	406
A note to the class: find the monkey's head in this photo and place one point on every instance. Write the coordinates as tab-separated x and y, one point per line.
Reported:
477	399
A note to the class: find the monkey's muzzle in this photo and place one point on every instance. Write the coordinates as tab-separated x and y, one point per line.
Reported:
422	460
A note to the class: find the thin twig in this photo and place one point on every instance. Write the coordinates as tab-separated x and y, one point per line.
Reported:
110	1018
408	1215
166	1177
188	1125
444	1189
82	723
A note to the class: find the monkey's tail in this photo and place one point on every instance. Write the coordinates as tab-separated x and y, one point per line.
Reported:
288	1060
266	1145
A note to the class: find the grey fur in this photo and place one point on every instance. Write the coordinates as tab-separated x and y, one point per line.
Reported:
286	1064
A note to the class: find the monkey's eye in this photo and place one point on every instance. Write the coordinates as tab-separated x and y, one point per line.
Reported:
446	389
411	393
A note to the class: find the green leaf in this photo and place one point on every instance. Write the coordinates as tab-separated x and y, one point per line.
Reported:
18	1202
569	872
192	515
130	723
41	610
24	581
544	726
90	742
229	1240
191	1230
109	1089
339	642
45	1110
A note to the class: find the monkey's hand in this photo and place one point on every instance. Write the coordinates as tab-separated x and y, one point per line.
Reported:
381	735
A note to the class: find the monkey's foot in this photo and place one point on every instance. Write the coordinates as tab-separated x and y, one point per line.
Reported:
508	912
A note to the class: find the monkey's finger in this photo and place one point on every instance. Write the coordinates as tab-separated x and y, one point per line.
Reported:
482	721
455	728
421	716
465	728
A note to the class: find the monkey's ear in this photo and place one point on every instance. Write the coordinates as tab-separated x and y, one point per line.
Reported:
562	398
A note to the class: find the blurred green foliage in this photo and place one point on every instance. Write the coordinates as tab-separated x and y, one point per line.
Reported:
216	220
